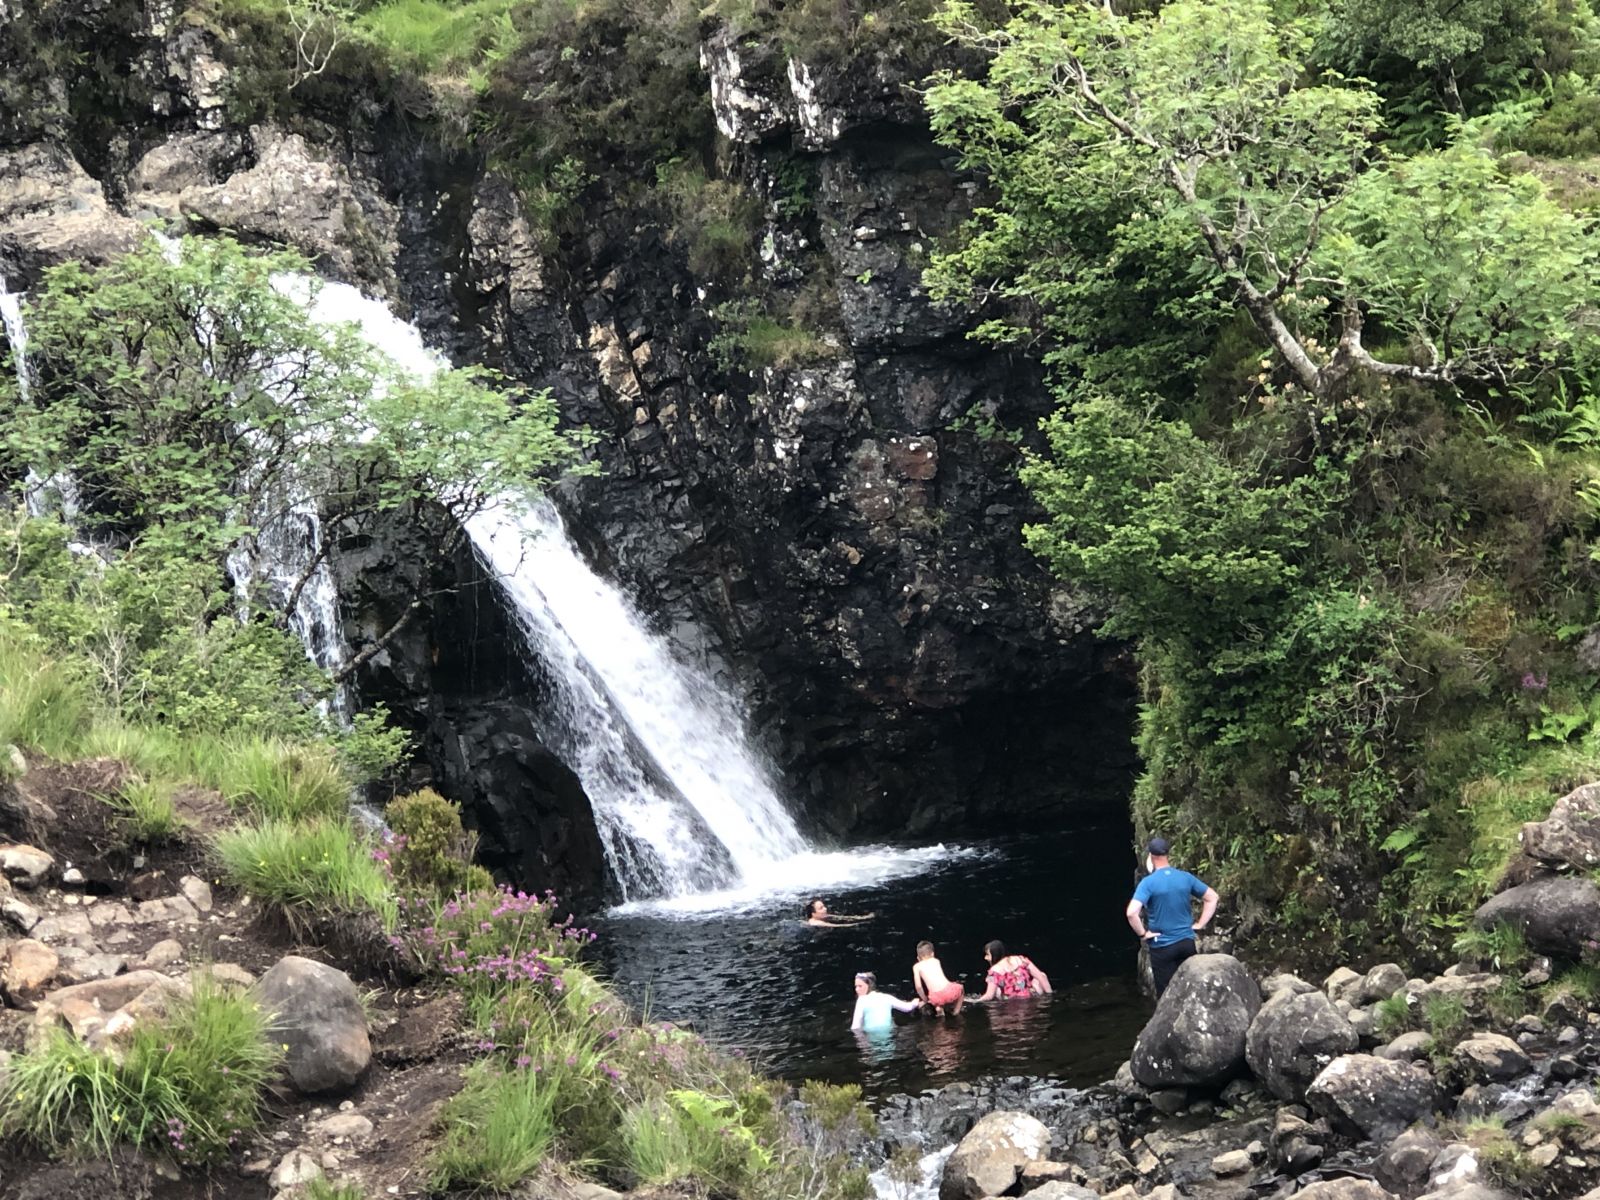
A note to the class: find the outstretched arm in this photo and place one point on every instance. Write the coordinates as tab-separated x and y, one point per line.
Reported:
988	995
1136	920
916	982
852	917
1208	909
905	1005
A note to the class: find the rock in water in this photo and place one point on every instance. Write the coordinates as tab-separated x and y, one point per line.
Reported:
1345	1189
1293	1038
1197	1036
1557	915
1371	1097
989	1159
317	1014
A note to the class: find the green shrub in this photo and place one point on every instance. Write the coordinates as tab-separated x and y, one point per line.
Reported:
495	1131
186	1084
427	849
322	1188
440	37
323	866
147	810
1570	128
749	338
692	1136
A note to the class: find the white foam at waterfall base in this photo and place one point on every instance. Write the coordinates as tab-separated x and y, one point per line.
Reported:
930	1169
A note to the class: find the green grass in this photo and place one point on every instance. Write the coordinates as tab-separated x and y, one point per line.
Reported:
1582	982
44	704
147	810
187	1084
324	866
497	1129
438	37
689	1135
1446	1018
1393	1015
281	780
1504	947
321	1188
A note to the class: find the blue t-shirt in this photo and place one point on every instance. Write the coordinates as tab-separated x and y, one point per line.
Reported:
1165	895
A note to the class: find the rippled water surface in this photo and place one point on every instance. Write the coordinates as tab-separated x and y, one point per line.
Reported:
753	976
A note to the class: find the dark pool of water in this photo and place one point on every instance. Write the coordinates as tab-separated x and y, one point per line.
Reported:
759	980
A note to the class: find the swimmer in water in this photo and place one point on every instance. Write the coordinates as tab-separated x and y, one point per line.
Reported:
933	985
815	912
874	1009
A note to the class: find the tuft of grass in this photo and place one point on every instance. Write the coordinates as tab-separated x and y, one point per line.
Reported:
1503	947
689	1135
496	1130
44	704
1557	1124
1581	982
148	810
324	866
187	1084
1446	1017
1393	1015
440	37
281	780
322	1188
1508	1001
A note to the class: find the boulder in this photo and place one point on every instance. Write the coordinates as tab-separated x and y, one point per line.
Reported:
317	1014
1342	984
1570	835
1345	1189
1467	1189
1556	915
1196	1038
1383	981
29	968
1370	1097
1285	982
25	866
84	1007
197	892
1293	1038
1489	1058
1406	1164
1408	1047
1231	1162
989	1159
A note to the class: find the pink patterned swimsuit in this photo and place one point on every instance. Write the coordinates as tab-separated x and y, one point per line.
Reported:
1016	982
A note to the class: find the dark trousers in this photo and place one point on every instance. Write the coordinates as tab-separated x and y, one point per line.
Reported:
1165	960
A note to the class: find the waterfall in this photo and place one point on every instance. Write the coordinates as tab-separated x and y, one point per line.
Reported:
683	803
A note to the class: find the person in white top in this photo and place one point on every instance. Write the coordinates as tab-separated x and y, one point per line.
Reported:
874	1009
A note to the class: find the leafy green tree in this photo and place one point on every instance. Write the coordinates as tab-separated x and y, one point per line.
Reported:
1204	119
1436	35
197	405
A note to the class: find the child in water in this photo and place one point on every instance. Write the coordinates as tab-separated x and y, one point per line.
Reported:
932	984
874	1009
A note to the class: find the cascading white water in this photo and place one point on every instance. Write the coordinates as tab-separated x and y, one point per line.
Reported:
683	802
58	493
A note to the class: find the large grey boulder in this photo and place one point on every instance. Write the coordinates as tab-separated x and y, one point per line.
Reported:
988	1160
1570	835
1371	1097
1196	1038
1293	1038
1406	1164
317	1014
1556	915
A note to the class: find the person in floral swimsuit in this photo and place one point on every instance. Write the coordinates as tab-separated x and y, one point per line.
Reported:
1011	976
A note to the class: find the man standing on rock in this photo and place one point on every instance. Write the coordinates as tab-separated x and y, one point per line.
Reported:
1160	913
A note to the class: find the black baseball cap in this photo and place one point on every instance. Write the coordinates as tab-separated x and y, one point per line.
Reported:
1159	845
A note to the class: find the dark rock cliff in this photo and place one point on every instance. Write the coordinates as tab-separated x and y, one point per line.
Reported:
833	537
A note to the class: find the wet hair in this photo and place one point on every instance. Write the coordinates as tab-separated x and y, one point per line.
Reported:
924	949
870	978
809	907
996	949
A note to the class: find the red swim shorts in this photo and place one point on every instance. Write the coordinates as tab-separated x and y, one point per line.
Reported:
948	994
